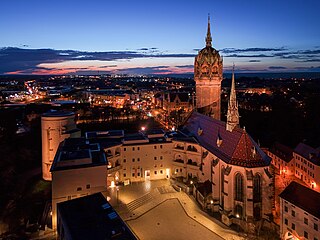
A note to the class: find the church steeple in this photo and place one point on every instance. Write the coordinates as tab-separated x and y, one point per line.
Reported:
208	38
233	113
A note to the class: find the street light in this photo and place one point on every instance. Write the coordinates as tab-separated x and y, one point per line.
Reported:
117	195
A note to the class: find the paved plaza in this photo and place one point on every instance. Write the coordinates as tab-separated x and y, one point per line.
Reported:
154	210
169	221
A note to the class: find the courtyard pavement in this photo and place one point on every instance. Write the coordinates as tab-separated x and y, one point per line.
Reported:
154	210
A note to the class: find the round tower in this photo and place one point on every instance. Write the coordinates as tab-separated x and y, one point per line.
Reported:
55	127
208	76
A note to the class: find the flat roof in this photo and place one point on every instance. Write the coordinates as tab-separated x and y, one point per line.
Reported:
92	217
58	114
79	152
302	197
105	134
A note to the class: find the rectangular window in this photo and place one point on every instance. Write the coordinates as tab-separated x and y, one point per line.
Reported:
161	146
79	189
293	213
124	175
305	234
124	149
285	208
305	221
293	226
132	174
315	226
161	171
124	160
133	159
138	174
155	147
286	221
138	159
155	158
160	157
132	148
138	148
155	172
88	186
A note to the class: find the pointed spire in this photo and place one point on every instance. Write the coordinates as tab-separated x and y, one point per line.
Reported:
208	38
233	113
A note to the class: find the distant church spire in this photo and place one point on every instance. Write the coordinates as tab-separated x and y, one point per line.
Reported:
208	38
233	114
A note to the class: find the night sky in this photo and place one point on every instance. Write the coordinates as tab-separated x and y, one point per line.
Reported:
147	37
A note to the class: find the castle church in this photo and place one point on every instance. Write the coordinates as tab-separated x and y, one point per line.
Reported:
204	149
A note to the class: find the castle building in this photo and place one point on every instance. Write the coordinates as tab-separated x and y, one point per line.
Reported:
79	169
55	127
203	149
208	76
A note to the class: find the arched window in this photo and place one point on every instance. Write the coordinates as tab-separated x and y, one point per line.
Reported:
238	187
222	187
238	211
257	213
257	188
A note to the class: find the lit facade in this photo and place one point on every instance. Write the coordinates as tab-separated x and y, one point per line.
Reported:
300	213
307	165
282	159
79	169
55	127
208	70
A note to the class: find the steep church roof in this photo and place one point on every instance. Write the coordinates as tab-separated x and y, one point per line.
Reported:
236	147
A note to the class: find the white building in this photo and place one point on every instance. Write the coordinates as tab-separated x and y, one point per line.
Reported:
307	165
55	127
282	159
300	213
79	169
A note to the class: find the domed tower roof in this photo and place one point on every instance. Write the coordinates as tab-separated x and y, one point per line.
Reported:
208	76
208	54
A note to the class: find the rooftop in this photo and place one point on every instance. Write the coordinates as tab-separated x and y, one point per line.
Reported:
302	197
282	151
105	134
92	217
236	147
309	153
58	114
77	153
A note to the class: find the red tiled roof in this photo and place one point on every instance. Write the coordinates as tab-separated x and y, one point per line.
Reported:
237	147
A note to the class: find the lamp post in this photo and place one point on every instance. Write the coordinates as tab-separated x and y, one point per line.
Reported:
117	195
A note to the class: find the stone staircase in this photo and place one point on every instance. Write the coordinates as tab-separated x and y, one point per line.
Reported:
142	200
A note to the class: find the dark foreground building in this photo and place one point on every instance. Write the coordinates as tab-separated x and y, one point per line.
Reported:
90	217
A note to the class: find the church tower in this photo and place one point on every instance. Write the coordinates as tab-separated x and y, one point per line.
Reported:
233	113
208	76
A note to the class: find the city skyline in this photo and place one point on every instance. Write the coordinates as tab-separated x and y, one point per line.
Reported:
158	38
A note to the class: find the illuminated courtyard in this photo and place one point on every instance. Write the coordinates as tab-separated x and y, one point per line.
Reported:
169	221
154	210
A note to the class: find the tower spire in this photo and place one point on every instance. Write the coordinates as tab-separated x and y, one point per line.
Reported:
233	113
208	38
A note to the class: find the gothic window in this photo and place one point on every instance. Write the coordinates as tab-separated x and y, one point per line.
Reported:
238	210
257	213
238	187
222	187
257	188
